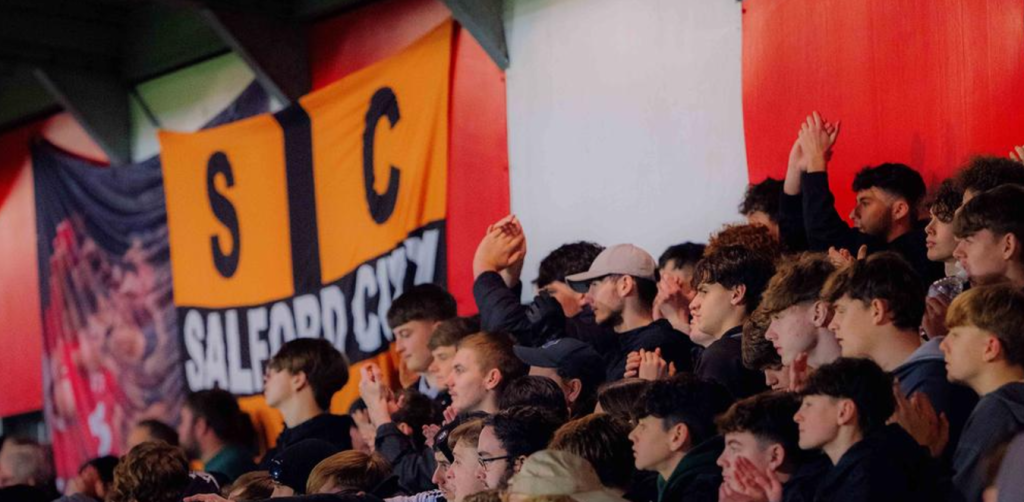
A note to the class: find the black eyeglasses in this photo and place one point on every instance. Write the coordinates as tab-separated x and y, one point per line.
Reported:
485	461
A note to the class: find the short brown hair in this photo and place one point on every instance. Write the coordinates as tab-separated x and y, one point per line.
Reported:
998	309
621	398
757	238
796	281
732	266
882	276
423	302
449	332
326	369
757	352
602	440
349	469
255	485
151	472
468	431
998	210
494	351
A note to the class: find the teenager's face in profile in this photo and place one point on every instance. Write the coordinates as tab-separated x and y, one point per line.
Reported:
792	331
851	322
742	444
466	383
817	420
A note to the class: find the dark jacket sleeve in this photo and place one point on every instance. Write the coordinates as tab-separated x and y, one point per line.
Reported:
499	305
791	223
413	466
822	224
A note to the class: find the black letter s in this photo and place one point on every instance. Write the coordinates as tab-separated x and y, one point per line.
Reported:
225	212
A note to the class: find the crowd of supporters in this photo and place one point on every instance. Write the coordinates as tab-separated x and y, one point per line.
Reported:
790	358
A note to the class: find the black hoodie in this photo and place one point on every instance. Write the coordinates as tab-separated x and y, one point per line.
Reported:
886	466
327	427
697	477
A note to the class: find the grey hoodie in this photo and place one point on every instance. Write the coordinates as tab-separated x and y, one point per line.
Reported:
997	418
925	371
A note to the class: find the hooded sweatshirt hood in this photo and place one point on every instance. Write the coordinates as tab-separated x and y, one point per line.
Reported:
697	477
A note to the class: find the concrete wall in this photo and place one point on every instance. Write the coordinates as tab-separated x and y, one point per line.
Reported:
625	120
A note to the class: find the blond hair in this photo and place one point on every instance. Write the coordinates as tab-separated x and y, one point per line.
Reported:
997	309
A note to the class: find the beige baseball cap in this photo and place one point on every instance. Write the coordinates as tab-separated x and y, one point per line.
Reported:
621	259
551	472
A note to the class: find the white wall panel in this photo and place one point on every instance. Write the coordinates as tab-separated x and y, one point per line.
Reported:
625	120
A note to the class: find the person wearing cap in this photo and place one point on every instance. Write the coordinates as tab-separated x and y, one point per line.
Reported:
554	473
556	312
574	365
620	287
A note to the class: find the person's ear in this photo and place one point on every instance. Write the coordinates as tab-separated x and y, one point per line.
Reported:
776	457
821	314
993	349
492	379
575	388
405	428
1010	246
625	285
518	464
678	437
879	311
900	209
847	412
739	295
298	381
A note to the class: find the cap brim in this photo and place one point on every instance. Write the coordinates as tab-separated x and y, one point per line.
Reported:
535	357
580	282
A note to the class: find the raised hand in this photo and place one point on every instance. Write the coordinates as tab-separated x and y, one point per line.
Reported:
672	303
817	136
429	433
633	360
1018	154
917	416
501	248
934	321
653	366
380	402
799	372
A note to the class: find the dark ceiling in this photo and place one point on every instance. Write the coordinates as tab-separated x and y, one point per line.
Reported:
133	40
85	56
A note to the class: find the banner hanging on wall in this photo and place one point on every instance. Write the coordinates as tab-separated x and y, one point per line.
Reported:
111	353
308	222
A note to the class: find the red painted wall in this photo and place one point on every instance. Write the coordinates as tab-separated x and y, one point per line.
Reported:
21	329
478	189
924	83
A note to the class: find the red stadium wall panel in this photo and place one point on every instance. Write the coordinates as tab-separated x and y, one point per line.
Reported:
21	329
478	187
928	84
